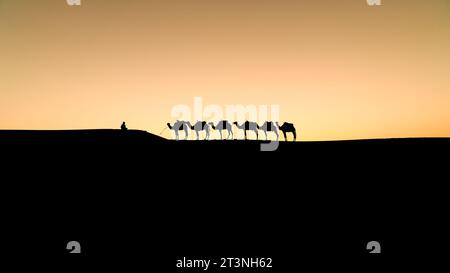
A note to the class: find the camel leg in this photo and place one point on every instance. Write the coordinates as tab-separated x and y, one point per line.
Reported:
256	132
265	132
185	134
196	132
220	131
284	134
276	133
176	135
245	134
295	135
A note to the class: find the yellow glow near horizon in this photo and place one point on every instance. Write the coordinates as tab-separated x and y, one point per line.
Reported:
337	69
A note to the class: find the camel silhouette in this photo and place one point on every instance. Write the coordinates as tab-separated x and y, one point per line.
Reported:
223	125
286	128
200	126
248	126
269	126
177	126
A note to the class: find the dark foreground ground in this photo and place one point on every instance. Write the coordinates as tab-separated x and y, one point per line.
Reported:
134	200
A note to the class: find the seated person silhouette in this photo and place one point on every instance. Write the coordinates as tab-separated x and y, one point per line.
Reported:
123	127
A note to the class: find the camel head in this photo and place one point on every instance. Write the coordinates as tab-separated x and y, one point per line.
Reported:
168	125
212	125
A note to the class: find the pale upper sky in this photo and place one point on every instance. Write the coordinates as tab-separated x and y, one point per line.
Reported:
337	69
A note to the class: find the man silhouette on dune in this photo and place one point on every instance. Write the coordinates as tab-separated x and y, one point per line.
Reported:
123	127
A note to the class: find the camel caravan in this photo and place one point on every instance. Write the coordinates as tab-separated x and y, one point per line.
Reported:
225	125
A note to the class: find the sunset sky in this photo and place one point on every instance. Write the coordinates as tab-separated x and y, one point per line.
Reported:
337	69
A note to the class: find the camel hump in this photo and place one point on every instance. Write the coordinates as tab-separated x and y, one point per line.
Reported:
289	125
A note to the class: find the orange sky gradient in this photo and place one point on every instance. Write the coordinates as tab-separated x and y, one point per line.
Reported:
337	69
